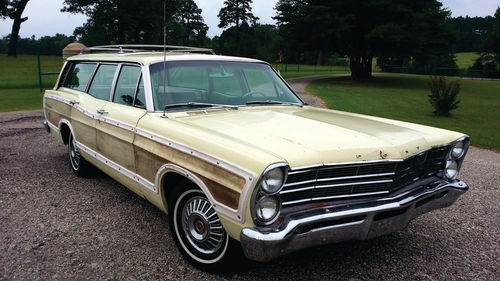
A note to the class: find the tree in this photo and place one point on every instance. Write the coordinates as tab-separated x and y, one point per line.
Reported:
14	10
194	30
360	29
127	21
236	13
488	62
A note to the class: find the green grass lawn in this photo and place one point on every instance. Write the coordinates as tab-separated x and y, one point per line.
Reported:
19	89
465	60
405	97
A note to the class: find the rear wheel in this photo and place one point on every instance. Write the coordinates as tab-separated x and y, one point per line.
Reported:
78	164
198	231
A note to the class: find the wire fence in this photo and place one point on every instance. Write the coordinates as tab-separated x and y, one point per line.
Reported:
445	71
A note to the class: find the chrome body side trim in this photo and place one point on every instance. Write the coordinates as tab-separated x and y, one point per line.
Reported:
219	207
250	177
131	175
340	222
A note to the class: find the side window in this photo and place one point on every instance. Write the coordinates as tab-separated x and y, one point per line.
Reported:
127	85
80	76
140	99
103	81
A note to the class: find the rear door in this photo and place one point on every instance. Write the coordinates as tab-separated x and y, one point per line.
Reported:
115	130
85	106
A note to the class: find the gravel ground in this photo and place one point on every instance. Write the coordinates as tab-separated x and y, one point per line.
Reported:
55	226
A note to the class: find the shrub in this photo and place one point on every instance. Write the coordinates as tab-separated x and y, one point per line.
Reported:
443	95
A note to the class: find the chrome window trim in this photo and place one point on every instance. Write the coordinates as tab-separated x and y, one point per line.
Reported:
148	92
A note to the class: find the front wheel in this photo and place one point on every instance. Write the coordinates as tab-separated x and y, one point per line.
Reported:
198	231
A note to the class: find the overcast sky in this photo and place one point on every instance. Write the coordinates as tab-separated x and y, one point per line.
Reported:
45	17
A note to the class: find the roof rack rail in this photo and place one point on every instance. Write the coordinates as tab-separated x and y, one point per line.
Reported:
135	48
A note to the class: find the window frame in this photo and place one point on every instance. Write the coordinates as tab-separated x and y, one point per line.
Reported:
137	92
113	82
117	76
71	68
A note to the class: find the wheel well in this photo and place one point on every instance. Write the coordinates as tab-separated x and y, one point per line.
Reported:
65	131
170	183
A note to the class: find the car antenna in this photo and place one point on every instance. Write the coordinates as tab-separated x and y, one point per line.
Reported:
164	50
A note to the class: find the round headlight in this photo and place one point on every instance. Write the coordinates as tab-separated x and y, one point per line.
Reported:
272	181
458	150
451	170
267	208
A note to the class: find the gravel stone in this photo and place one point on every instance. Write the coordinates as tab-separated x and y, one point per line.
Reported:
56	226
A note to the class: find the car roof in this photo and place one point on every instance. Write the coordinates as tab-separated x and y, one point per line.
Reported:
147	58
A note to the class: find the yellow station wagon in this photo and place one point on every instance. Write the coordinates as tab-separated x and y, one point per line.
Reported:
236	159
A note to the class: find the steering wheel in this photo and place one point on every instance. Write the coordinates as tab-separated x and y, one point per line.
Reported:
251	94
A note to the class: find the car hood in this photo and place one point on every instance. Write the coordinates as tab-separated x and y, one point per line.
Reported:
306	135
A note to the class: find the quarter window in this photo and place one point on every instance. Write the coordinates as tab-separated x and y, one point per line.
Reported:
127	85
140	100
80	76
103	82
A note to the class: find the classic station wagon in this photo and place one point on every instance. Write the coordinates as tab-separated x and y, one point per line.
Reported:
237	161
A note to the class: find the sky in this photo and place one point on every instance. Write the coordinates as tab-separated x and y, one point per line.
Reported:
45	18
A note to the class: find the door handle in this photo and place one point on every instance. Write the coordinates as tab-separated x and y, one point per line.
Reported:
101	111
73	102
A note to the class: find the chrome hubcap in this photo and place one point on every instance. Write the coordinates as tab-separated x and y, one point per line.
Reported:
201	225
73	154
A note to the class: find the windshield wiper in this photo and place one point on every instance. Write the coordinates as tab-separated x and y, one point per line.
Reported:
197	104
271	102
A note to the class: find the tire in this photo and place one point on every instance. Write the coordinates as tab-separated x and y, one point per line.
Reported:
198	232
77	163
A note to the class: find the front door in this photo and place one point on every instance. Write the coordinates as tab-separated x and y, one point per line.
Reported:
115	129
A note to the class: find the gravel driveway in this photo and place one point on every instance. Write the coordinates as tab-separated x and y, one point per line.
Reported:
55	226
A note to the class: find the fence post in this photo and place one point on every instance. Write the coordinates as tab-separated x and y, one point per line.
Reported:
39	71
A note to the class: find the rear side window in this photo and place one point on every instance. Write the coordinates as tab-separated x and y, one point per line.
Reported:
103	81
79	77
140	99
127	85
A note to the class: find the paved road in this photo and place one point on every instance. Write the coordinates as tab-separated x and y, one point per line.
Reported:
55	226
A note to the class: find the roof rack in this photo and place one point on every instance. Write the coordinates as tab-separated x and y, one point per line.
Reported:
136	48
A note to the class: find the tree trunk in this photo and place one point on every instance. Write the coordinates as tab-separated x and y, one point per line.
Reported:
361	67
319	60
14	35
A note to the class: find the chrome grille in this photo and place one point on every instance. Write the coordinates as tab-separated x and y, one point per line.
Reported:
342	181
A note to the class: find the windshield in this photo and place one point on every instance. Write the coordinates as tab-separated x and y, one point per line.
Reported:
216	83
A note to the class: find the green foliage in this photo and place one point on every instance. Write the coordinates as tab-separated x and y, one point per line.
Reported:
404	97
471	32
46	45
488	64
366	29
126	21
236	13
443	95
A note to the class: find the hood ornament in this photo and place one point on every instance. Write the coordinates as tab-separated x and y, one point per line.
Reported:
383	155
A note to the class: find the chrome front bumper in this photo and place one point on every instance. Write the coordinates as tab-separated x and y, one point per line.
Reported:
361	221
